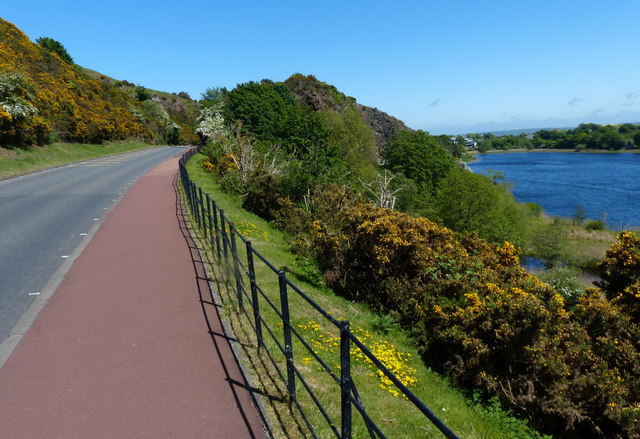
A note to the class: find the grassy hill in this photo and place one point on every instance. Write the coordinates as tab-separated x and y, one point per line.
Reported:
44	98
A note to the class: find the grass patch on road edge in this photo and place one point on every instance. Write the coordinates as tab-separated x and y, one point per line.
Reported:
396	416
19	161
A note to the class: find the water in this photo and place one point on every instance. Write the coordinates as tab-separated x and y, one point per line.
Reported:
606	186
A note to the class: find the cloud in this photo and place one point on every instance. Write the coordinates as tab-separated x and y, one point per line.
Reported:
435	103
575	101
632	95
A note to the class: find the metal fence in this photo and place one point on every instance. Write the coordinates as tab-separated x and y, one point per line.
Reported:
224	238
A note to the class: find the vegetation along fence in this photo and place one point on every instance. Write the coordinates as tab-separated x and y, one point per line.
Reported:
278	341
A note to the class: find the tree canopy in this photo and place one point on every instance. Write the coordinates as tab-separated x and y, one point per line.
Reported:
419	157
56	47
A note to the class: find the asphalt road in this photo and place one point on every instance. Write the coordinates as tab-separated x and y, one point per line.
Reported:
45	216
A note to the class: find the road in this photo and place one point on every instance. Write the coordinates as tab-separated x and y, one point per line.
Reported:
48	216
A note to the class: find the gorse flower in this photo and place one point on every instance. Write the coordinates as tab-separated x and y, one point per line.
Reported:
396	361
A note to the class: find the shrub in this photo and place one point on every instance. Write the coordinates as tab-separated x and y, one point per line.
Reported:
620	273
142	94
595	225
481	318
56	47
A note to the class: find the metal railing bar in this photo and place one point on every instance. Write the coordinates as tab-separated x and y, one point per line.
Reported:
317	403
317	307
266	262
317	357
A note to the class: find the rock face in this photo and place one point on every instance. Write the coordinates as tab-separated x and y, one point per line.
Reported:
384	126
320	96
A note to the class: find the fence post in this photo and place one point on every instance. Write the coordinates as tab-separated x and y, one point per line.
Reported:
203	223
224	241
217	228
236	269
196	211
210	226
345	379
187	188
254	292
286	324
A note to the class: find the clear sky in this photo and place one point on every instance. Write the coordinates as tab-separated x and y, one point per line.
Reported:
447	66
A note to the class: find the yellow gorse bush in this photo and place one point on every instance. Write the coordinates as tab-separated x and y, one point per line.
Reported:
70	104
480	317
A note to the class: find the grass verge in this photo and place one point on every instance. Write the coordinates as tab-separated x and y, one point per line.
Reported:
396	417
18	161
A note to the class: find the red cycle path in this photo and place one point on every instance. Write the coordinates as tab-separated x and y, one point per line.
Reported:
122	349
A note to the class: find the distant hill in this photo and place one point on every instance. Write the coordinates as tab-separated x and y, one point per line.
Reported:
320	96
44	97
522	131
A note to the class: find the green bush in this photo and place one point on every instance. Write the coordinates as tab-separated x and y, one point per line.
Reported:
595	225
56	47
481	318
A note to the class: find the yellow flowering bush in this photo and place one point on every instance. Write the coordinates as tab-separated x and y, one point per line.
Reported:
478	316
620	273
73	107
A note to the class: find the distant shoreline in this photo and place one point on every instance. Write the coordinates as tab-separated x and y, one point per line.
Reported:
586	151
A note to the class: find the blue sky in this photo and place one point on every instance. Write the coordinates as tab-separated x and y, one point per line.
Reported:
452	66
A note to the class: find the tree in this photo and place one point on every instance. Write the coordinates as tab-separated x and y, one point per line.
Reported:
550	243
355	141
419	157
56	47
384	193
270	112
468	202
213	97
456	148
260	106
19	120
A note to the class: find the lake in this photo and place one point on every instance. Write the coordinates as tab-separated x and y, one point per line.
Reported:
606	186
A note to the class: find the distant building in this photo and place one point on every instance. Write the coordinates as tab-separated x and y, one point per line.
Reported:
470	143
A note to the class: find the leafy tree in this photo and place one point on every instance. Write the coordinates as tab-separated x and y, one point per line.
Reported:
142	94
261	106
550	243
320	166
270	112
19	120
419	157
626	128
56	47
213	97
580	215
468	202
355	141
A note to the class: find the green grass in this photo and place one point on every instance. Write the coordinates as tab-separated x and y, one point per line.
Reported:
18	161
397	417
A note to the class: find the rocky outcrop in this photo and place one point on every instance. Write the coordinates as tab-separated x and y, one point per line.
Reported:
384	126
320	96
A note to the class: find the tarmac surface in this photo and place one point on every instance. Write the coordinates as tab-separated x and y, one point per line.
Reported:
124	347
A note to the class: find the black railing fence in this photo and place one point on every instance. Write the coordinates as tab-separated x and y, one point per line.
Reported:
278	343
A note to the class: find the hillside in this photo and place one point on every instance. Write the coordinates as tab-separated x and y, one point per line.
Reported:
44	97
320	96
